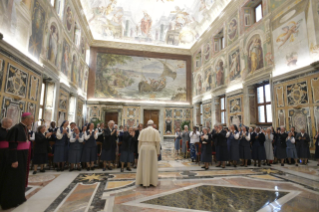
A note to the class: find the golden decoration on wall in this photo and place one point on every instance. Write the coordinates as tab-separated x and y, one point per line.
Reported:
315	89
280	96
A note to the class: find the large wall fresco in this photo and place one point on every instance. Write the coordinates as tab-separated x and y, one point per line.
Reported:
165	22
290	38
140	78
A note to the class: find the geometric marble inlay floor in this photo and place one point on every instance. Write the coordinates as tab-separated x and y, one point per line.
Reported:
183	186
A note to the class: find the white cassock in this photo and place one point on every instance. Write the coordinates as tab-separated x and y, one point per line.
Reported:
148	149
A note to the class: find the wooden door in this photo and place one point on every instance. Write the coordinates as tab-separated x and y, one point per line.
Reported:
151	114
111	116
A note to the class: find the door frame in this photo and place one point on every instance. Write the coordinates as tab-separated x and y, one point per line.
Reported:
159	116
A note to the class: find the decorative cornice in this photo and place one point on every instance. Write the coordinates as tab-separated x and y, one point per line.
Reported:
140	47
20	57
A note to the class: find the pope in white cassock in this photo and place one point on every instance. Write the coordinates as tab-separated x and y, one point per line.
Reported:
148	149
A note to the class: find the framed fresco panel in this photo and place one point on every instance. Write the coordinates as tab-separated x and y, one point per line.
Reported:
16	82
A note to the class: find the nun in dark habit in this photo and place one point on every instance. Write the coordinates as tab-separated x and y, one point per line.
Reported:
233	136
206	156
89	154
127	148
258	150
221	146
244	146
76	148
62	141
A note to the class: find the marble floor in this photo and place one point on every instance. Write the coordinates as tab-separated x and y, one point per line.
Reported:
183	186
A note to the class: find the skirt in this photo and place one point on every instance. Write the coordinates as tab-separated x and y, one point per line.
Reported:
40	158
89	154
304	151
177	144
317	152
244	152
108	155
206	157
281	152
184	146
127	157
258	152
59	155
291	152
234	150
75	155
222	153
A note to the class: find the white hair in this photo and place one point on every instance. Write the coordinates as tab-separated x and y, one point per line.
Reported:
150	122
111	121
185	126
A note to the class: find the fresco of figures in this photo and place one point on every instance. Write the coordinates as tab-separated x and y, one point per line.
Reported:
141	21
140	78
53	44
255	54
290	41
234	65
38	21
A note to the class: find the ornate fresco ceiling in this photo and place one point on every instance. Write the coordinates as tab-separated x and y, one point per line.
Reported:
169	23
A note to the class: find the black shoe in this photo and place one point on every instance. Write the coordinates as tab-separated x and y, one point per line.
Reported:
122	170
88	169
203	167
255	164
193	160
79	169
58	170
218	166
128	169
92	168
71	170
223	167
42	170
109	168
206	168
259	165
268	164
228	165
297	164
34	172
245	166
235	166
282	164
62	170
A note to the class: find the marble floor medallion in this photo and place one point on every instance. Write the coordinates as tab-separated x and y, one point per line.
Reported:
207	197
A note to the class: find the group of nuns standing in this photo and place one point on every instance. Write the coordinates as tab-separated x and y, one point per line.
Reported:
244	144
75	147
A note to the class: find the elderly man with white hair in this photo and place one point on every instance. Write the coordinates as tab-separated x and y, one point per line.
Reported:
149	150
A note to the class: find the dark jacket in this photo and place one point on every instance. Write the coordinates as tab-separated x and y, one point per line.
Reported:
109	140
261	139
208	148
41	144
303	140
128	142
282	139
221	137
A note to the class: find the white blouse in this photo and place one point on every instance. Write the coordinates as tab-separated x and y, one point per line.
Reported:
73	139
236	135
59	135
87	135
